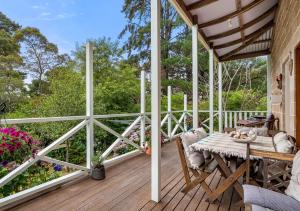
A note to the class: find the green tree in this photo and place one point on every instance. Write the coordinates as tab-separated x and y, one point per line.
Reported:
11	79
39	55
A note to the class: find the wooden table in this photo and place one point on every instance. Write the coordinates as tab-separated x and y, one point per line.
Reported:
251	123
219	145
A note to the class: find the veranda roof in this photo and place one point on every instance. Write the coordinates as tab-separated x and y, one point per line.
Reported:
235	29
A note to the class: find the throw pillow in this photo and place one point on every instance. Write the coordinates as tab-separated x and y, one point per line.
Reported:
293	189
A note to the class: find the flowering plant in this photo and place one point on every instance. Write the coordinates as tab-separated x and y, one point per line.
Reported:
16	146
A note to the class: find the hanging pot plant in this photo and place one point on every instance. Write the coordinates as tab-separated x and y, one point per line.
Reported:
98	169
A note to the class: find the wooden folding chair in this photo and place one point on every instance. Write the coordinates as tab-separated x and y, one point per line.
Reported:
200	175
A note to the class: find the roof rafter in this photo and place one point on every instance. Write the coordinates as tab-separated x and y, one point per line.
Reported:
181	4
247	43
231	15
266	27
247	55
199	4
245	26
238	4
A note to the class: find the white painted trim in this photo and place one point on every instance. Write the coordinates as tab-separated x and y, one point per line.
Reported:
169	112
117	141
63	138
63	163
155	101
220	77
121	158
143	108
211	91
185	111
195	75
29	192
120	137
41	120
89	105
269	84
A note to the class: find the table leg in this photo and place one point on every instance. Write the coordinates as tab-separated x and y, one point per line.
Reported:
231	178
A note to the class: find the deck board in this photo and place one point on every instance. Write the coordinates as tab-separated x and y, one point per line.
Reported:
127	187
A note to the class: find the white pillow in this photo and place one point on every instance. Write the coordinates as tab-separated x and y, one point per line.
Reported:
280	136
293	189
201	133
263	131
195	158
282	143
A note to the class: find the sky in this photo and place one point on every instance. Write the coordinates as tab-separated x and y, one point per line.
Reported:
68	22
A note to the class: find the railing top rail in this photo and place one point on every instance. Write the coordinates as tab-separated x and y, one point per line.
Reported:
103	116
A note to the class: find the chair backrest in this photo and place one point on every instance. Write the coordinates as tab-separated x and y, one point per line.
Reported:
294	142
183	160
229	129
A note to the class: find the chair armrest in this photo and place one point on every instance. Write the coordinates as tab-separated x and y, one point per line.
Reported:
272	155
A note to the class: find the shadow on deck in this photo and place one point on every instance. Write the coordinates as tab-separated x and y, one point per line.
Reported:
127	187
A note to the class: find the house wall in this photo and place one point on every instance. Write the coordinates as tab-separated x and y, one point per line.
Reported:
287	37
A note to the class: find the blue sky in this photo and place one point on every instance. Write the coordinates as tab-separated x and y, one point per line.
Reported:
67	22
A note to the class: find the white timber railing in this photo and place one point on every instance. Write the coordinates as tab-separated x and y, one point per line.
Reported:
175	121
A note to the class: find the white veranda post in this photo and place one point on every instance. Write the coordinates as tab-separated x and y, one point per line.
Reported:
143	105
195	74
269	84
155	101
89	105
169	112
211	91
220	97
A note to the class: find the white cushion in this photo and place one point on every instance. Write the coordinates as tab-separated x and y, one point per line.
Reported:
282	143
195	158
263	131
293	189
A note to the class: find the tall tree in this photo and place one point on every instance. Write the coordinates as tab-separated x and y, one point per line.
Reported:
39	55
138	27
11	79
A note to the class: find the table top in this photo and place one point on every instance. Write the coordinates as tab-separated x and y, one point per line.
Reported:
222	143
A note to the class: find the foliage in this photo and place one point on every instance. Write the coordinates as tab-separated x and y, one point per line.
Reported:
35	175
40	55
97	160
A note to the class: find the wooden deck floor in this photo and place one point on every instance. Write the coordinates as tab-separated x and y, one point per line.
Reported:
127	187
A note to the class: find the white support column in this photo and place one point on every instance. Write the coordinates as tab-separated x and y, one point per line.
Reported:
170	112
269	84
220	97
155	101
185	110
195	75
89	105
143	108
211	91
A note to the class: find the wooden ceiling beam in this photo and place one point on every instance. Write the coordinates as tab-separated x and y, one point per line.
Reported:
247	43
238	4
199	4
245	26
181	4
266	27
231	15
247	55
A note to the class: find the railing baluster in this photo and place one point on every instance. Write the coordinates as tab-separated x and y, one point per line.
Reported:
245	115
235	119
240	115
230	119
226	119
